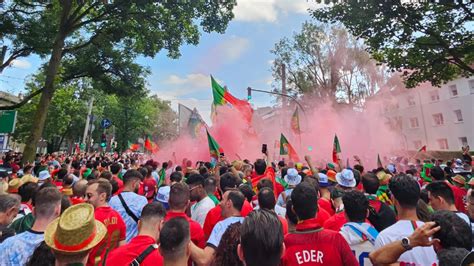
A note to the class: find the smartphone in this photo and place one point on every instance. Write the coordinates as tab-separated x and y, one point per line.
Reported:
264	148
222	154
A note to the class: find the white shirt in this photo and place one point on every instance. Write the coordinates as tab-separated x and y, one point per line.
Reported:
219	230
135	203
200	209
403	228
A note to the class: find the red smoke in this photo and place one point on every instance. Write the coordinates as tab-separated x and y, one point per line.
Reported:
362	133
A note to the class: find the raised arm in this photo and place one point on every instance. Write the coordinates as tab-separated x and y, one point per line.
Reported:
390	253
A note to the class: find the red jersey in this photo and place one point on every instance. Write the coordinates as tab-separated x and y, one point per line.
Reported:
459	195
197	234
118	180
124	255
326	205
336	222
268	174
322	216
313	245
116	230
214	216
284	224
76	200
149	188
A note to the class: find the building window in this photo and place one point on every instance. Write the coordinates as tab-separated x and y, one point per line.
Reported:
443	144
414	122
471	86
434	96
411	101
458	115
398	123
463	141
438	119
453	90
417	144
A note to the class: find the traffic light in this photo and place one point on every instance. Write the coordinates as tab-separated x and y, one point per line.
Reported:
103	140
249	94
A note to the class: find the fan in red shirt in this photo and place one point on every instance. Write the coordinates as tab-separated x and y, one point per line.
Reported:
115	169
228	182
178	202
438	174
149	184
149	231
98	193
267	201
78	192
262	172
311	244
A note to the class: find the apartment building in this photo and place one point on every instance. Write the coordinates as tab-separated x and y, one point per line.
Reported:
441	118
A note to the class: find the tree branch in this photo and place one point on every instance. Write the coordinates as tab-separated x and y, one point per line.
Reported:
19	53
23	102
85	44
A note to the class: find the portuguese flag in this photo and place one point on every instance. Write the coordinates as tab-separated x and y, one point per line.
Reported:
422	149
214	148
287	149
133	146
295	122
336	148
150	145
222	96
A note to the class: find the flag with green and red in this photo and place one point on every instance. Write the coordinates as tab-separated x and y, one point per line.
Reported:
150	145
214	148
222	96
336	148
287	149
295	122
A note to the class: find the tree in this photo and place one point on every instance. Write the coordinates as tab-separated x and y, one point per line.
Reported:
325	62
132	117
140	116
99	39
425	41
66	114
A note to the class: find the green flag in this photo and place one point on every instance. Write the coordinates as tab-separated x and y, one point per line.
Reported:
214	148
162	174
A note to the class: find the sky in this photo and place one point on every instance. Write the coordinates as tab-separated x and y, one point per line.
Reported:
239	58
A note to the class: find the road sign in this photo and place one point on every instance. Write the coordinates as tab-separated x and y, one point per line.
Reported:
3	142
105	123
7	121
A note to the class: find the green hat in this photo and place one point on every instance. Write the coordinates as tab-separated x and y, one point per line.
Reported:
425	173
87	172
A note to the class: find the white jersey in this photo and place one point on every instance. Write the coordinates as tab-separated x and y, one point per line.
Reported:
419	256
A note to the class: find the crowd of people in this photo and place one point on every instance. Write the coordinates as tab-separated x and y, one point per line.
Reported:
125	209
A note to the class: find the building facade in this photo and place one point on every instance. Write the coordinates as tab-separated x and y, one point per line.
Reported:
440	118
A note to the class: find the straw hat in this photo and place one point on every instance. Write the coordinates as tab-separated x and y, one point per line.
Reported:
28	178
459	179
383	177
75	231
471	182
13	185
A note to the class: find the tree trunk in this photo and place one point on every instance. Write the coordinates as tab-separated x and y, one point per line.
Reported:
48	92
